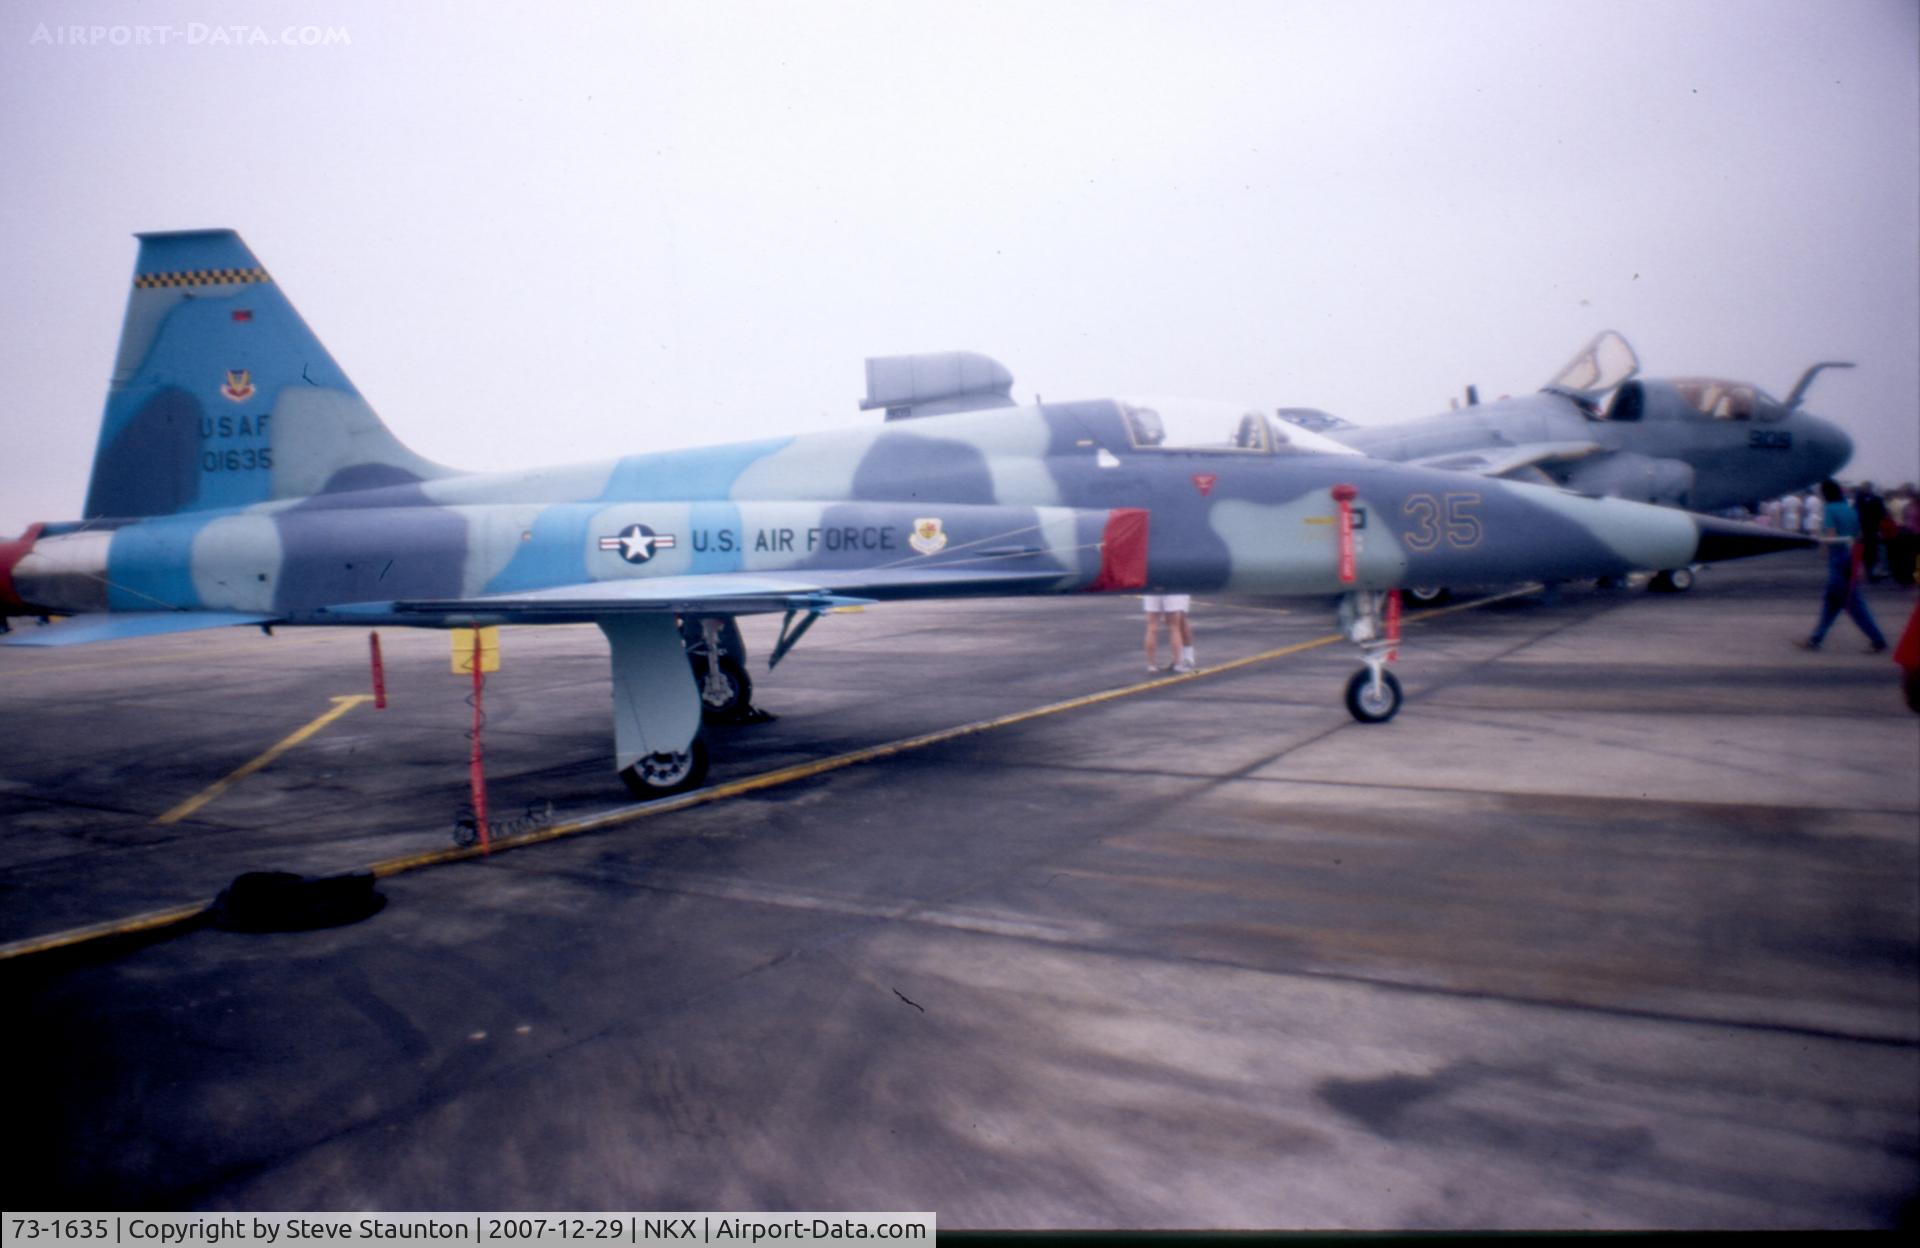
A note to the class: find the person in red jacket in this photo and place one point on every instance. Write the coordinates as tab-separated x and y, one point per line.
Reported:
1907	655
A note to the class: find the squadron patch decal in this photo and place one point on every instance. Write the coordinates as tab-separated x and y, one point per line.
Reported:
928	536
239	384
637	543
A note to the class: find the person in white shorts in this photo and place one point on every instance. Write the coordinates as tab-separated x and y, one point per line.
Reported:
1173	609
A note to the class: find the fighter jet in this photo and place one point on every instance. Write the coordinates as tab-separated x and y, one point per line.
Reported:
1700	443
241	479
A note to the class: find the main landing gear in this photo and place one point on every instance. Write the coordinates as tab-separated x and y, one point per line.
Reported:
671	680
1373	694
667	771
718	654
658	740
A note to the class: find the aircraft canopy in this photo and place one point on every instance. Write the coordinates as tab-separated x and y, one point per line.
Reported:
1697	397
1180	424
1598	367
1722	400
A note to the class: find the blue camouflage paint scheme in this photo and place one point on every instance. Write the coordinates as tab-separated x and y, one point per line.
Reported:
554	553
133	472
367	554
151	565
704	473
906	469
177	434
240	473
372	533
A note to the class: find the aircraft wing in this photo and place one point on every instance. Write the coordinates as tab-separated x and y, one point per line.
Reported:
82	629
728	593
1501	461
722	593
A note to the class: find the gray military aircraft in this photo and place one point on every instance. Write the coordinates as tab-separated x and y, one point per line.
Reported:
1698	443
241	479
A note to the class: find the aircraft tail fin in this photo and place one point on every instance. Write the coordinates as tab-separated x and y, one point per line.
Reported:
221	396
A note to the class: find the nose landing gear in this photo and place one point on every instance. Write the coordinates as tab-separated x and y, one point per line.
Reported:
1373	693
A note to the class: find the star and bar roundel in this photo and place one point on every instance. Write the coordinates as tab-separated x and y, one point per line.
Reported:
637	543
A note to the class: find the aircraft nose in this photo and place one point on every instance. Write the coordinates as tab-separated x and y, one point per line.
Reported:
1734	539
1832	446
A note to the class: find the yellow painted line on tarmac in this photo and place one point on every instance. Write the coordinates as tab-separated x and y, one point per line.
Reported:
620	815
153	920
803	771
341	705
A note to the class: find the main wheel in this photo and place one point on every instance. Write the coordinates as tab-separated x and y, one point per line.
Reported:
728	696
1673	581
658	775
1370	704
1428	595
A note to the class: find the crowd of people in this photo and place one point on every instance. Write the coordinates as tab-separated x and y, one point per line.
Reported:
1889	534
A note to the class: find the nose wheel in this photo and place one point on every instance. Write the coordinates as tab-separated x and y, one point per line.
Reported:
1373	693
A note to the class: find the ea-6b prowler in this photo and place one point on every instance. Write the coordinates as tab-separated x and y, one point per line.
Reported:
241	479
1598	428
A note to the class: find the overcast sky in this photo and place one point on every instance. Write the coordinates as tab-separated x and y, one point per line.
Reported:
564	232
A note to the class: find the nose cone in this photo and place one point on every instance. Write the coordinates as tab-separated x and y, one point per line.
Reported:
1735	539
1829	444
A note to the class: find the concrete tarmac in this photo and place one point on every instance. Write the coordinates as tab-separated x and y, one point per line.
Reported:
1617	925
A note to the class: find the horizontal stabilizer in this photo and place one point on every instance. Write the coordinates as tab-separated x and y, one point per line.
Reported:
80	630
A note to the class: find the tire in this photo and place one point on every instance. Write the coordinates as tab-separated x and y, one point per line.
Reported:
1672	581
661	775
731	705
1428	595
1367	707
